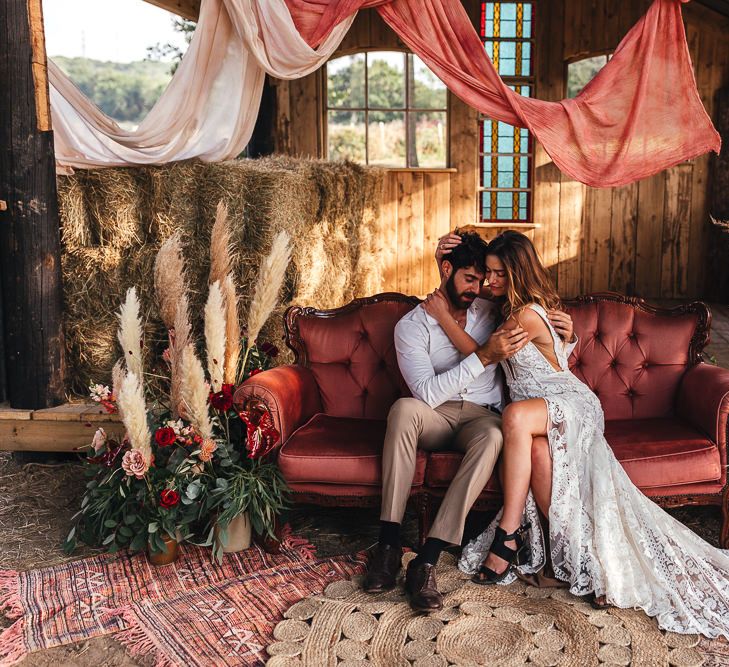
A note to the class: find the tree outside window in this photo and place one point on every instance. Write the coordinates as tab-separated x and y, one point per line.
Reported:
386	108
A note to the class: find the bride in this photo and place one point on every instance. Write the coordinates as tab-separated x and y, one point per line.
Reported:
605	538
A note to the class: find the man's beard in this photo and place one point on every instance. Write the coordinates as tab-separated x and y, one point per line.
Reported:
457	299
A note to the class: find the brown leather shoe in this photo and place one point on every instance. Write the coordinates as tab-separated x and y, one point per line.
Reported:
383	569
421	587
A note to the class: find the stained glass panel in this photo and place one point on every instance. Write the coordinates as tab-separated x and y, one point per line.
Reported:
506	163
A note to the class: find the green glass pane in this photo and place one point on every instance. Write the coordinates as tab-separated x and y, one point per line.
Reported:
345	81
507	59
526	60
429	130
386	145
386	79
346	135
428	91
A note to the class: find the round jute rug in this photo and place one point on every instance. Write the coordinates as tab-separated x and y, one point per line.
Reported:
479	625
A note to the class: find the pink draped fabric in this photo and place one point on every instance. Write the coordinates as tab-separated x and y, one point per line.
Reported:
641	114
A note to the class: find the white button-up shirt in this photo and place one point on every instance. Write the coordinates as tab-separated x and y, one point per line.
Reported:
436	371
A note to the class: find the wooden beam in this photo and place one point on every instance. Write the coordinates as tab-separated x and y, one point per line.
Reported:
30	264
187	9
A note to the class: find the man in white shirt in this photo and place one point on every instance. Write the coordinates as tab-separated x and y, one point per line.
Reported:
456	404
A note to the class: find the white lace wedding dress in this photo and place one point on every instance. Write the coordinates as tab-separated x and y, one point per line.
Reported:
605	536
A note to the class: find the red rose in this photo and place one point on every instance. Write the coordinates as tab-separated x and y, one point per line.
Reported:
269	349
165	437
255	371
222	401
169	498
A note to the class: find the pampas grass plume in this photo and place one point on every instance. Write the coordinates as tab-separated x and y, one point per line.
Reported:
134	414
232	331
215	328
169	278
194	391
130	333
221	262
270	280
181	339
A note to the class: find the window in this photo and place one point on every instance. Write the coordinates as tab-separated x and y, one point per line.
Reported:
506	152
386	108
581	72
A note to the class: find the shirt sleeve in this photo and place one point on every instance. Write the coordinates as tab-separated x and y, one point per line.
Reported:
411	345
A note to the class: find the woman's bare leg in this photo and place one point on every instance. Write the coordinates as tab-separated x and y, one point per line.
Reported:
541	480
522	422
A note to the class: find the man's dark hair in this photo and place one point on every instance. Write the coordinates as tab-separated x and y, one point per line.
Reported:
470	252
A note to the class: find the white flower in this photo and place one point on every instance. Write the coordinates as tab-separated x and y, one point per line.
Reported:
99	392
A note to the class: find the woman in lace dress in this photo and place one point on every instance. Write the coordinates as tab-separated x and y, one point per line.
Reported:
605	537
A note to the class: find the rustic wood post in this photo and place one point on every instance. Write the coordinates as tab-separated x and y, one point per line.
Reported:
30	266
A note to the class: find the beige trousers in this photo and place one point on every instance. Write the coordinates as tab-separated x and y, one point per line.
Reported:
457	425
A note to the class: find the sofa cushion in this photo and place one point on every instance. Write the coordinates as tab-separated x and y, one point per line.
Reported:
663	452
339	450
352	356
632	359
654	452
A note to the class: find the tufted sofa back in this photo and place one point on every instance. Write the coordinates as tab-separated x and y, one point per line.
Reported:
632	355
351	353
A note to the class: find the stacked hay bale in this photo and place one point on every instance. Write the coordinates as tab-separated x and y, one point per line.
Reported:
114	221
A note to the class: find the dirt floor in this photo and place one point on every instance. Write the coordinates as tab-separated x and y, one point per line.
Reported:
39	496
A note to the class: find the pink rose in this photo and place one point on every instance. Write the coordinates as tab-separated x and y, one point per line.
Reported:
134	464
99	440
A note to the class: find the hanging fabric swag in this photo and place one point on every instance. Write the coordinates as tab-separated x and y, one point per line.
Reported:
641	114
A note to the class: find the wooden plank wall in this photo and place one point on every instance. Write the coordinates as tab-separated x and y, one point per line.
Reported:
649	238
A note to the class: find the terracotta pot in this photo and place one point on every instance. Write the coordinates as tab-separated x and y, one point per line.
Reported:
239	534
169	555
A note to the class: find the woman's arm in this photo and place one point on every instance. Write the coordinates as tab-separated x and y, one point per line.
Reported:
436	306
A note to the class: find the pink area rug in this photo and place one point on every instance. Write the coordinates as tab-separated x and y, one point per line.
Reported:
192	612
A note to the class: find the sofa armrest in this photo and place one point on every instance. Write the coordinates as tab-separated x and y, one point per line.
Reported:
289	393
703	400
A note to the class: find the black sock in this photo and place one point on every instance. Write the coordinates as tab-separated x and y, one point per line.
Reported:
390	533
430	551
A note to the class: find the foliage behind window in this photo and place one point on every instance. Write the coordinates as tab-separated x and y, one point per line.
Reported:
386	108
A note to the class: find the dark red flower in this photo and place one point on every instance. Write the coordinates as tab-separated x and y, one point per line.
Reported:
269	349
255	371
261	434
165	437
168	498
222	400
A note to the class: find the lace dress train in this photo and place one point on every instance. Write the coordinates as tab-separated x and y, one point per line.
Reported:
605	536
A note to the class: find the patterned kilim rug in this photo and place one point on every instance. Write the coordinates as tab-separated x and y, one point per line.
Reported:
479	625
192	612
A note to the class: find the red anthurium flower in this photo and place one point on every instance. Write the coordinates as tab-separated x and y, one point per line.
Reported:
168	498
165	437
261	434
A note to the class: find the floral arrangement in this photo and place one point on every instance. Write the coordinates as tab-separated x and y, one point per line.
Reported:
189	461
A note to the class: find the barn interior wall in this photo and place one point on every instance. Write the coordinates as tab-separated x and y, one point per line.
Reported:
648	239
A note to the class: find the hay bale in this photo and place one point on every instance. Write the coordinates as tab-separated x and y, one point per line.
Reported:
114	221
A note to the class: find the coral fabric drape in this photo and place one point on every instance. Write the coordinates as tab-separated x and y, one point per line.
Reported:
210	107
641	114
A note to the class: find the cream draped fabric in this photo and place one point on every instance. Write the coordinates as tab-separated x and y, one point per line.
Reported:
210	107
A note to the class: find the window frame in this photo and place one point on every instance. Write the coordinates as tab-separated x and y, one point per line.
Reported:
515	81
367	109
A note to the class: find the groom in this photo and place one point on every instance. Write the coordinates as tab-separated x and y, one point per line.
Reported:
456	404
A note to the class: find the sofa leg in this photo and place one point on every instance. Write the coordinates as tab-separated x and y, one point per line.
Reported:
724	537
424	517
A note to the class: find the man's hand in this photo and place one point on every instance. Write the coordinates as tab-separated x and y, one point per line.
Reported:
562	324
502	344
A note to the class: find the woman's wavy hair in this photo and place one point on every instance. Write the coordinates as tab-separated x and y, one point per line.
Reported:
527	279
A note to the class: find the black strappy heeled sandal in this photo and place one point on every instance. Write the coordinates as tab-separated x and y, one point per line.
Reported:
519	556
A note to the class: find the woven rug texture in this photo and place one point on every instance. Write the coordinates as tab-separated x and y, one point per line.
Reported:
192	612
